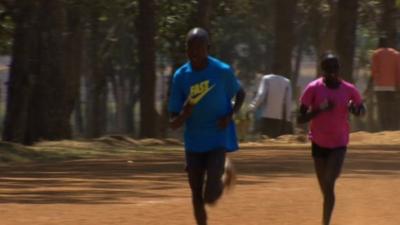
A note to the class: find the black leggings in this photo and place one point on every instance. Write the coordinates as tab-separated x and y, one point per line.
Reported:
205	169
328	165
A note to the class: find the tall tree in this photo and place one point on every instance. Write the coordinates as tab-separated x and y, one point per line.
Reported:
6	27
388	22
328	35
39	104
346	36
146	29
284	37
122	78
321	21
73	58
50	105
204	14
19	85
96	80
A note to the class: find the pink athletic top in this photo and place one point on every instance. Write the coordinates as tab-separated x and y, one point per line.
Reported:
330	129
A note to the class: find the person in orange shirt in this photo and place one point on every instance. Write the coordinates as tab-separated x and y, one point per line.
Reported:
385	79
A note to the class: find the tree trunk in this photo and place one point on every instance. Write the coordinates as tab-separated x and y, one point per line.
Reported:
346	36
133	99
73	61
79	129
146	26
96	83
388	22
323	30
204	14
51	104
41	92
327	40
297	66
19	87
96	99
284	39
120	87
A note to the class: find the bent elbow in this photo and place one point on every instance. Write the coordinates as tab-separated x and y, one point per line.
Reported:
173	125
301	120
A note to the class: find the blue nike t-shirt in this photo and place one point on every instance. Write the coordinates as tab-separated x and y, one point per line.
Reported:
213	88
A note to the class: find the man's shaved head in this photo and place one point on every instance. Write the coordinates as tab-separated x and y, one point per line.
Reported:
197	45
197	34
330	63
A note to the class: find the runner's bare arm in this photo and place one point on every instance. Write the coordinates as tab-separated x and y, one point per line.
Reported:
239	99
178	119
305	115
359	110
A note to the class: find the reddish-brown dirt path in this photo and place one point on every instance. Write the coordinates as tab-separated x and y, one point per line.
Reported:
275	187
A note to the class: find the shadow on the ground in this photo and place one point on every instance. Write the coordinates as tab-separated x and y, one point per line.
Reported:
152	177
289	163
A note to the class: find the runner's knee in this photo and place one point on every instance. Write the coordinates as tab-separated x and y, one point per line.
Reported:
211	196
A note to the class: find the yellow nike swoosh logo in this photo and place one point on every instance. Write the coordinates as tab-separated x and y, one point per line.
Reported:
196	99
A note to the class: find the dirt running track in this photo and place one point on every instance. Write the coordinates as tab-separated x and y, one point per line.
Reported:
275	187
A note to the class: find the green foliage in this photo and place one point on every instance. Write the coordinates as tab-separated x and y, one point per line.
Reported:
104	147
242	35
6	31
369	14
117	31
174	21
241	31
366	42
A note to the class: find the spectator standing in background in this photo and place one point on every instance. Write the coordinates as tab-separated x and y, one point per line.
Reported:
385	80
272	105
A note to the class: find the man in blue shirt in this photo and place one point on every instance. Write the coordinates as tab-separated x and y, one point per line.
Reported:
201	99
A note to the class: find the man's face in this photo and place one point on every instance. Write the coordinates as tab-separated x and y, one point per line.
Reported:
197	52
331	77
331	69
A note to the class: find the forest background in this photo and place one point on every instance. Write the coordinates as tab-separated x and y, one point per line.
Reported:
87	68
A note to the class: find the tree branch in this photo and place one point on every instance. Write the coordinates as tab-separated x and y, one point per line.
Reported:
8	4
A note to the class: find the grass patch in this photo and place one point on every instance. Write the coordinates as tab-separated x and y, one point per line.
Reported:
102	148
15	153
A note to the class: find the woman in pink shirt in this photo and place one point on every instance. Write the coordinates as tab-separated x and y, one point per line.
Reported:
326	103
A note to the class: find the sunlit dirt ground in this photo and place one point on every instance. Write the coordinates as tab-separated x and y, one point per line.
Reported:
275	186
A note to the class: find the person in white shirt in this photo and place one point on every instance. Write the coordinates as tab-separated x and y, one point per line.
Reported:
272	106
